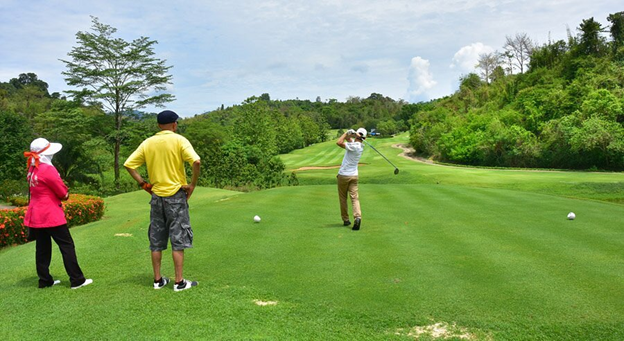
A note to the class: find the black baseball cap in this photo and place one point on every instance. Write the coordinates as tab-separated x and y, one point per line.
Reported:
167	116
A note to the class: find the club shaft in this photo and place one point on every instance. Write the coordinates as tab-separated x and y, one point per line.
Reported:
380	153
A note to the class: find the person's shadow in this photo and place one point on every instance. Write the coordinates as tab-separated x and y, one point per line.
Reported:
32	281
334	225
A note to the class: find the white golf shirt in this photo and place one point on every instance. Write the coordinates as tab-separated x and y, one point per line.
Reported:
353	152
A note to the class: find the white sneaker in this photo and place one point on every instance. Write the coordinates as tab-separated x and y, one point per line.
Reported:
86	282
163	282
58	281
184	285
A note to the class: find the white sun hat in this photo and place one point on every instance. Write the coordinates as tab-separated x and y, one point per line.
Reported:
40	144
361	132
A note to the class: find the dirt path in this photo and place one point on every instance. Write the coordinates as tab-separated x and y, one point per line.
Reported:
408	153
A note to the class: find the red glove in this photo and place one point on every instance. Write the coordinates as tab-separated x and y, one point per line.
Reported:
147	187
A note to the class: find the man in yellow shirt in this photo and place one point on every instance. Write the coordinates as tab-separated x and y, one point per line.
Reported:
164	155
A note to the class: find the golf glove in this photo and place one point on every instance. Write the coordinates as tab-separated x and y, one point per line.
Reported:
350	132
147	187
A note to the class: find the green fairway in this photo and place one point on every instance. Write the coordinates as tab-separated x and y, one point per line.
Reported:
487	254
604	186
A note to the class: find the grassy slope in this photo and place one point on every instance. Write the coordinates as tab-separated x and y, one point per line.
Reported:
582	185
503	263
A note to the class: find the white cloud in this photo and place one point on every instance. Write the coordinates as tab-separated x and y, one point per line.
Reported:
420	80
468	56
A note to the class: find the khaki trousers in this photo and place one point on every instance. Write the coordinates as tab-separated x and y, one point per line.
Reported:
348	185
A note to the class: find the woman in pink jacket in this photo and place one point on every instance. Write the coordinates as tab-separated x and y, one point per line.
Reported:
45	217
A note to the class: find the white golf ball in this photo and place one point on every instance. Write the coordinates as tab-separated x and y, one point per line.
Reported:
257	219
571	215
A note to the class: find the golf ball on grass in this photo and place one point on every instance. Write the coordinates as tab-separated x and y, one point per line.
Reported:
257	219
571	216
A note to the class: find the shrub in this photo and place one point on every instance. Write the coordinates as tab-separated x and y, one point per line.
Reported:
79	209
82	209
12	230
18	200
10	188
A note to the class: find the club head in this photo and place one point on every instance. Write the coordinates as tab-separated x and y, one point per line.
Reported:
396	171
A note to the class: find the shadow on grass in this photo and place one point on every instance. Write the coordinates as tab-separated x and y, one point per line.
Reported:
145	279
32	281
336	225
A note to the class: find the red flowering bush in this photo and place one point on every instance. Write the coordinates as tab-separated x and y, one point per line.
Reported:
82	209
79	209
12	230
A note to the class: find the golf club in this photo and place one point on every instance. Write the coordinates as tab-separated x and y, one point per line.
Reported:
396	170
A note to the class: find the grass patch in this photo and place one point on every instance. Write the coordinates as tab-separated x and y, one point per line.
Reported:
486	254
602	186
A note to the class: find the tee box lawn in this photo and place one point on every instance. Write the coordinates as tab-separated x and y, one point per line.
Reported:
444	253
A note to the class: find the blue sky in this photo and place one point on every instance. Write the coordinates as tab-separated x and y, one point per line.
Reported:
224	51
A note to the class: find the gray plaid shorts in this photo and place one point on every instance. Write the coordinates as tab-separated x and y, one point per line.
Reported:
169	219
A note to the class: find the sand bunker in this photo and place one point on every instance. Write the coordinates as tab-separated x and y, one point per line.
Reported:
440	330
123	234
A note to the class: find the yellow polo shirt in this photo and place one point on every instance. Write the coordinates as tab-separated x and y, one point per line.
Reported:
164	154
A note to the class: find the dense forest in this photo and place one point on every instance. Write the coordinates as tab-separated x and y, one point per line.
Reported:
565	111
558	105
239	145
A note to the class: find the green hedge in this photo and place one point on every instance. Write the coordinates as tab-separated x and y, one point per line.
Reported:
79	209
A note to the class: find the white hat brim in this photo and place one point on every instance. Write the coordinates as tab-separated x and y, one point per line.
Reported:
53	149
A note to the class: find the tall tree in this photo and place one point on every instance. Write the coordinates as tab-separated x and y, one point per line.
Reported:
617	29
590	42
122	76
520	47
15	136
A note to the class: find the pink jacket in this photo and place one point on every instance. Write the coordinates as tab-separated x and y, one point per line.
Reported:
46	191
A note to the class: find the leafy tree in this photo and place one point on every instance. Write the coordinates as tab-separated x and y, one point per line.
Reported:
254	126
387	128
617	32
468	89
15	138
548	55
84	156
207	139
310	130
119	75
29	79
289	135
601	142
590	41
265	97
602	103
30	100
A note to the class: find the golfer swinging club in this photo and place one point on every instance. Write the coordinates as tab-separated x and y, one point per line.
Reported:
348	175
165	154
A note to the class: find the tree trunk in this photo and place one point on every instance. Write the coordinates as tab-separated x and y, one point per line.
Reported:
117	147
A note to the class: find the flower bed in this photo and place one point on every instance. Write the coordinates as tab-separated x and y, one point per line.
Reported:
79	209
